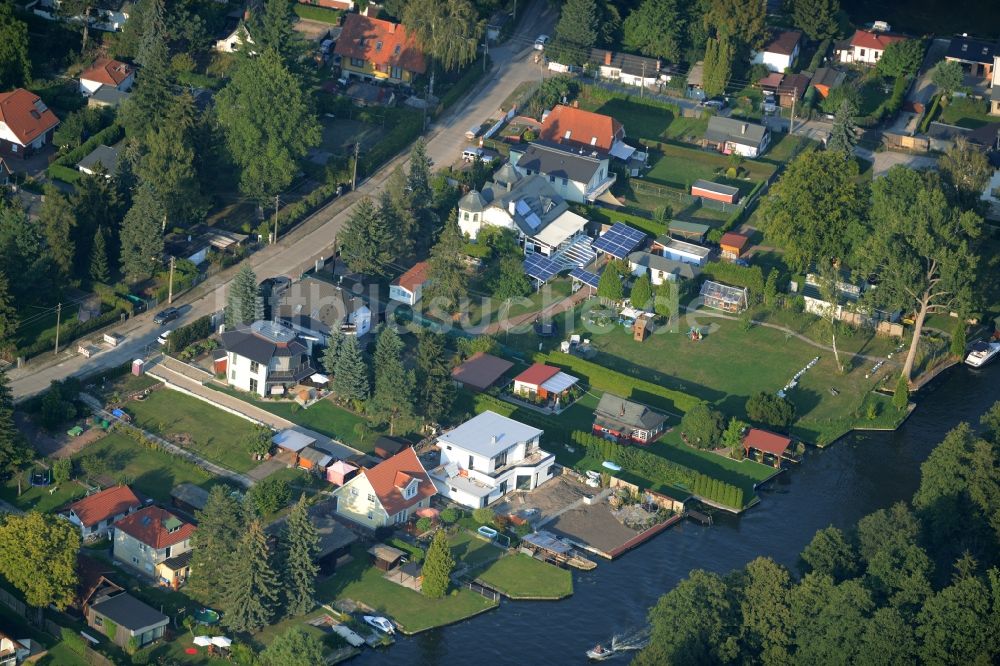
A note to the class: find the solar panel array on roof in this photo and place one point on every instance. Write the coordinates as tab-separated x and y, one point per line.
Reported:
522	207
585	277
541	267
533	221
620	240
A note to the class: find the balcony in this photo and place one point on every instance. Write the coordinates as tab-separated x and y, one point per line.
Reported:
536	457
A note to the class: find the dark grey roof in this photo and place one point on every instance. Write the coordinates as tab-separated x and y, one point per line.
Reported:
716	187
109	95
828	76
333	535
472	202
258	348
556	161
190	494
632	414
127	611
626	62
317	304
722	129
178	562
105	156
972	50
391	445
660	263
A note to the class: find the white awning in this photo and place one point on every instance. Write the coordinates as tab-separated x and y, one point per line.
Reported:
560	229
319	379
621	150
292	440
559	382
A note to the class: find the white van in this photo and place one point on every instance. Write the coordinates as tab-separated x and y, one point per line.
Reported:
472	154
473	132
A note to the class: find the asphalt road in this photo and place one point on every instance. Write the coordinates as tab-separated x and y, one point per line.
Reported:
315	238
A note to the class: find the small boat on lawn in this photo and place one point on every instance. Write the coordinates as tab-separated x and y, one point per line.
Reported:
613	466
599	653
982	353
380	623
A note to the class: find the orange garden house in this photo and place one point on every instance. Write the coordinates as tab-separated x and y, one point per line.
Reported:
374	49
543	382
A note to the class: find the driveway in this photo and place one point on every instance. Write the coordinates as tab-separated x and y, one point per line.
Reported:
314	239
923	90
886	160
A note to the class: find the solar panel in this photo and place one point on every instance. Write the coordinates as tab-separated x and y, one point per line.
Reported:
541	267
620	240
533	221
585	277
522	207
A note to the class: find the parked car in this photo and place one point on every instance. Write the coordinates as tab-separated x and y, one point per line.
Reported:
162	338
715	103
769	105
540	42
166	315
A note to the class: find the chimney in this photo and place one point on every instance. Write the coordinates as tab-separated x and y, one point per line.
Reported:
246	14
607	58
493	439
743	128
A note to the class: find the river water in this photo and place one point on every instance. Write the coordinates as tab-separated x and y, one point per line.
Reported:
859	474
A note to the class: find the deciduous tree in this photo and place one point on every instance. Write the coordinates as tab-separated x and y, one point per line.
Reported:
38	557
921	249
295	647
768	409
265	139
829	554
448	30
438	565
511	281
901	58
966	173
816	208
702	426
744	22
656	28
817	18
766	631
252	586
947	76
15	63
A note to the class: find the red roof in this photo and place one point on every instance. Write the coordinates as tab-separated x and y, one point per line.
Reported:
383	43
390	477
584	127
103	505
26	115
874	40
150	526
765	441
733	239
414	277
107	72
537	374
784	42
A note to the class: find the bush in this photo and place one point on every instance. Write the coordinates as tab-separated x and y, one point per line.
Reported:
424	525
901	396
269	495
450	515
768	409
702	426
484	515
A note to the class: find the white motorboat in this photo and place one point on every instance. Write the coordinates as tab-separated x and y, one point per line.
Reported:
599	653
380	623
982	353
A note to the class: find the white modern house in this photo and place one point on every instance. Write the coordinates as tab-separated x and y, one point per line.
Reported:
265	359
488	457
781	52
580	175
527	205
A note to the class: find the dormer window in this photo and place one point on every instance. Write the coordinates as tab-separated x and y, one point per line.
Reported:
568	134
411	489
395	51
378	46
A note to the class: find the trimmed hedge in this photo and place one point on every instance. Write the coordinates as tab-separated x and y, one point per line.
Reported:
197	330
658	470
107	136
68	333
890	106
63	173
603	379
751	277
929	114
406	127
321	14
472	75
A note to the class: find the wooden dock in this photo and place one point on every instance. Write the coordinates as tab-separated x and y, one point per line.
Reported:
548	547
698	516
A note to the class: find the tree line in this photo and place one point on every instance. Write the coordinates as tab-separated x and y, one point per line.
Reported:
914	583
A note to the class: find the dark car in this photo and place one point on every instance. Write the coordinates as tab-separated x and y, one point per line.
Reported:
166	315
714	103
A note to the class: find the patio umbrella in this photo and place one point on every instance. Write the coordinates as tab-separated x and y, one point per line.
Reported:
202	641
221	641
428	512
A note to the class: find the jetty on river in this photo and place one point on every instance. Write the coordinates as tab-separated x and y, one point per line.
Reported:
548	547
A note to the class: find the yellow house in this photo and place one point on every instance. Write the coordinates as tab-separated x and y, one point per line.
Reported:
387	494
371	48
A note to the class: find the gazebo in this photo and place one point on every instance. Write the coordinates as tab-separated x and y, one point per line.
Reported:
766	443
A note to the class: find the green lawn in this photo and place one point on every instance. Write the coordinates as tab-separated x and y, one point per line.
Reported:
324	417
149	471
730	364
215	435
646	121
472	550
486	311
412	610
679	167
321	14
966	112
521	576
39	498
